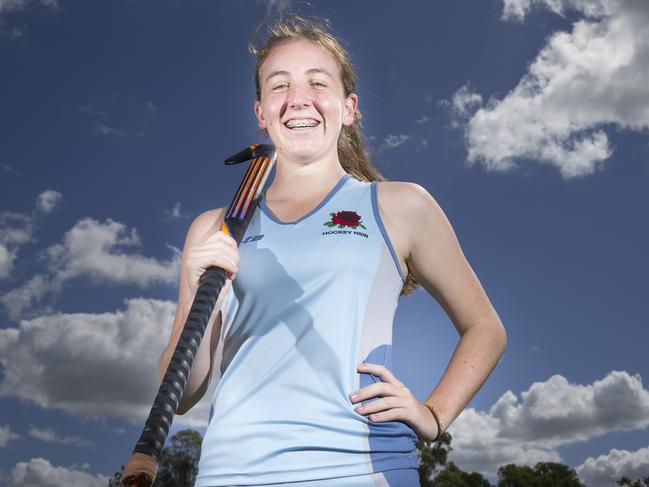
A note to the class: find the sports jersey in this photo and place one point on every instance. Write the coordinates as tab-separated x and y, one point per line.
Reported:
312	298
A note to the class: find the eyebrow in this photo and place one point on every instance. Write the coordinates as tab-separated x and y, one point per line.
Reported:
308	71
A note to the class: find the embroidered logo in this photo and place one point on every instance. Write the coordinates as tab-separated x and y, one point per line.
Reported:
343	219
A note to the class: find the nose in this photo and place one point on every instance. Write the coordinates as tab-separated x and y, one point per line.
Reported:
298	97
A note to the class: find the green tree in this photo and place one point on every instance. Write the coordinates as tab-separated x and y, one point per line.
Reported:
178	464
431	455
116	481
452	476
433	462
544	474
633	483
179	460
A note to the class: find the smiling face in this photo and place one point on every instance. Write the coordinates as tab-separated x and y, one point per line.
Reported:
303	105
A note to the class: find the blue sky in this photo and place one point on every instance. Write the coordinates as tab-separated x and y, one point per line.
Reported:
526	120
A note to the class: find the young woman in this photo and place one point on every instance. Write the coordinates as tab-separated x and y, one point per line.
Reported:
312	294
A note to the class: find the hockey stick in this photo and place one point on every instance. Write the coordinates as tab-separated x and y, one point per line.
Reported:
142	467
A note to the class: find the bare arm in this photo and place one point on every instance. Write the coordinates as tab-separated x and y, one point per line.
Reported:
439	265
201	372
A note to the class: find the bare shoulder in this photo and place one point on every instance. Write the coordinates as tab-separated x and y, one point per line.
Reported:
205	222
400	195
408	206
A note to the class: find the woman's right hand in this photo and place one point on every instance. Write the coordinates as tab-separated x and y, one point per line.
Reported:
217	249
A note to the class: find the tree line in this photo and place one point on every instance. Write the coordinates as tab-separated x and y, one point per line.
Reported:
179	466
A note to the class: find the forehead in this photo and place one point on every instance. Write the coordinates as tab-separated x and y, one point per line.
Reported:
297	57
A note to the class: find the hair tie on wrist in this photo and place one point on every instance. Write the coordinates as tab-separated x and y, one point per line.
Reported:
440	430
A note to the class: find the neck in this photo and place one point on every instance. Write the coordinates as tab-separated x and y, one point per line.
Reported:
297	180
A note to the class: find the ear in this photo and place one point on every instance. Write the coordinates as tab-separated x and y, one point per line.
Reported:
259	113
351	102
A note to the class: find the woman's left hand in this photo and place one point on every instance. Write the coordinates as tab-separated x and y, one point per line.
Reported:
396	404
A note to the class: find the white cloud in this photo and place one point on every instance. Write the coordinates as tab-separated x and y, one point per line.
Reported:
18	302
7	258
551	414
6	435
518	9
17	229
48	435
463	103
103	129
39	472
88	364
581	83
603	470
93	250
48	200
14	5
176	212
392	141
92	365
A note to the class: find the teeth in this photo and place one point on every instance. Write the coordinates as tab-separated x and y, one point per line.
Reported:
301	123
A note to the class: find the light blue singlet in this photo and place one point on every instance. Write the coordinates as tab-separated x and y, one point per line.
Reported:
312	298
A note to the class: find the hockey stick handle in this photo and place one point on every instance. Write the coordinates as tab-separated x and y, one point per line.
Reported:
142	467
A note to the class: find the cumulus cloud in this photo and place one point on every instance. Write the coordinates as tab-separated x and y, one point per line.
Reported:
6	435
94	250
463	103
603	470
39	472
88	364
518	9
6	261
48	435
551	414
48	200
17	229
91	365
582	82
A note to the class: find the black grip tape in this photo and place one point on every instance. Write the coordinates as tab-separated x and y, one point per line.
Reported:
165	405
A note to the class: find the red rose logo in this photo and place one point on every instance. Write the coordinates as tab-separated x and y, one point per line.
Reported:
345	219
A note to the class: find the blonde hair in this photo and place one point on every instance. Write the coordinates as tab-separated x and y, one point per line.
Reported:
352	152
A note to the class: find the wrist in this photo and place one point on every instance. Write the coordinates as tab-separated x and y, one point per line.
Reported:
440	426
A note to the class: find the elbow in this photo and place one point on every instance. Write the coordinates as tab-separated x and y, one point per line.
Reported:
502	337
185	406
191	397
498	336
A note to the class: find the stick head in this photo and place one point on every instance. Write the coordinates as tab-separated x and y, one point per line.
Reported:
245	201
251	152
